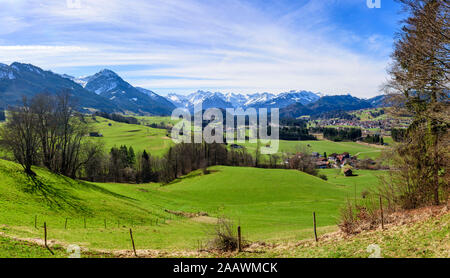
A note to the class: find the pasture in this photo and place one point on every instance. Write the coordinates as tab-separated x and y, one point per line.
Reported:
270	205
140	137
321	146
157	142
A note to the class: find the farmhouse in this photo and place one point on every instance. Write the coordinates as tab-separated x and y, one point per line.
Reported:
348	172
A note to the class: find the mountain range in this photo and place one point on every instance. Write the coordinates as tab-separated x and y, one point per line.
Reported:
232	100
328	104
106	91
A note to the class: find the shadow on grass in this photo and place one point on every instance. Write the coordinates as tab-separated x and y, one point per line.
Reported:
194	174
55	197
91	186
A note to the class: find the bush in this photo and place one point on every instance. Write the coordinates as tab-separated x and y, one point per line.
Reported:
225	239
324	177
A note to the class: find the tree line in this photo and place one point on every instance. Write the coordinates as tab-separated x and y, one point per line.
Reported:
342	134
117	117
374	139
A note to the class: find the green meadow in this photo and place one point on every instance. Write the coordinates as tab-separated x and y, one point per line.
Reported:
156	141
270	205
140	137
322	146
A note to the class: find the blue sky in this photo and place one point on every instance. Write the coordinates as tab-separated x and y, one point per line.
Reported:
245	46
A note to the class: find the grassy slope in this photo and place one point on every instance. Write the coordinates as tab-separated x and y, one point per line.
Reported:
140	137
10	248
155	140
424	239
271	205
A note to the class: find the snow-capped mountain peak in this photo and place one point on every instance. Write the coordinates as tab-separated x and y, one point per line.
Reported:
235	100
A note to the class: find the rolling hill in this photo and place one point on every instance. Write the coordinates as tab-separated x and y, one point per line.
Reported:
270	205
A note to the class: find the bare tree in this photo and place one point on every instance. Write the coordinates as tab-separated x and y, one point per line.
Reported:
20	136
44	106
304	161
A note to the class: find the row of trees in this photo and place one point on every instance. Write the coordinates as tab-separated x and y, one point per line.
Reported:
117	117
342	134
48	131
124	165
2	116
374	139
295	133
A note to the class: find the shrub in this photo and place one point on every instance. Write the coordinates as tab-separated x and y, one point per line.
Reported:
225	239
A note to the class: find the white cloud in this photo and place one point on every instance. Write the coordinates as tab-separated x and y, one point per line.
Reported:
225	45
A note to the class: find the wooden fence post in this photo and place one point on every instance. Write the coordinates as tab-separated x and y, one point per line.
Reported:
382	216
105	222
45	239
239	239
65	224
35	221
315	229
132	241
84	222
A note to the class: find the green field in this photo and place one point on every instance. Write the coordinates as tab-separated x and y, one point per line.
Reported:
139	137
157	142
270	205
424	239
148	120
321	146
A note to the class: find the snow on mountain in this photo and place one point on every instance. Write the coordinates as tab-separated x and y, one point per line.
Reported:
6	72
255	99
108	84
147	92
233	100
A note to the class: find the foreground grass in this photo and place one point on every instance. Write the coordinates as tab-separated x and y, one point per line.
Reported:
270	205
10	248
425	239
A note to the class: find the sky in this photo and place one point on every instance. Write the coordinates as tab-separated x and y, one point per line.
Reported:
181	46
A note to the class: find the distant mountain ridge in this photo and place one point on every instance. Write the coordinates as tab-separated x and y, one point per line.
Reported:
108	84
232	100
18	80
329	104
104	91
